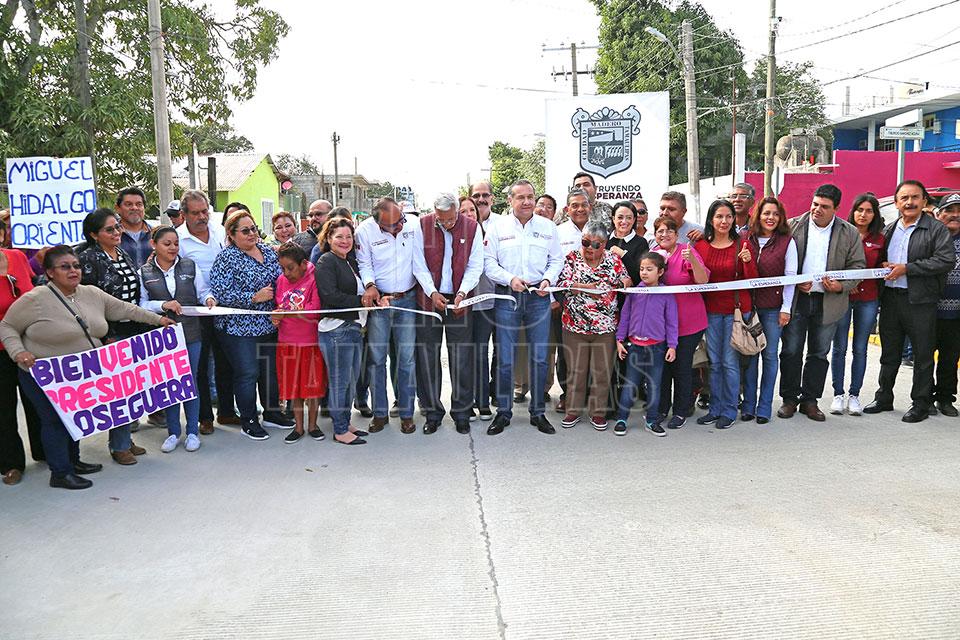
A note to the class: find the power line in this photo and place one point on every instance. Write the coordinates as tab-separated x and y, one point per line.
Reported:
891	64
881	24
843	24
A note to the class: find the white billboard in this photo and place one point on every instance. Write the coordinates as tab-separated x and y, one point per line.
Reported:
622	139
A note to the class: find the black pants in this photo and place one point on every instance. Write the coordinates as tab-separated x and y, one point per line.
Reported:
679	375
11	446
460	353
948	346
223	374
899	319
802	379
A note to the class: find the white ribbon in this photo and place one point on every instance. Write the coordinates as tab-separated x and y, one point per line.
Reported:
732	285
228	311
469	302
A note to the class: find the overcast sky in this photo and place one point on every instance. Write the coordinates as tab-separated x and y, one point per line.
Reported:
418	90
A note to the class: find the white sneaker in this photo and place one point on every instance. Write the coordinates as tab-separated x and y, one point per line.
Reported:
193	442
854	407
170	444
837	406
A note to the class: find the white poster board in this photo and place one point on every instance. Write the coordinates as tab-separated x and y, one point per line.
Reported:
49	198
623	140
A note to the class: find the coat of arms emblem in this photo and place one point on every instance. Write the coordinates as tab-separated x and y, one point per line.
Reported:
606	139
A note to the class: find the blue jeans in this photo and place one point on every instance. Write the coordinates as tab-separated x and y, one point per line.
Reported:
644	366
254	363
342	349
533	314
724	365
61	449
191	407
403	327
482	329
864	315
763	407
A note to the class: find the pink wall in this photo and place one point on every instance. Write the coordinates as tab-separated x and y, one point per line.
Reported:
859	171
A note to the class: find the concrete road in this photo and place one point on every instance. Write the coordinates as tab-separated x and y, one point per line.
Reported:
846	529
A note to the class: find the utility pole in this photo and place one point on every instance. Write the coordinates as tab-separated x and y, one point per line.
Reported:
336	171
161	121
733	135
768	141
83	75
573	61
693	137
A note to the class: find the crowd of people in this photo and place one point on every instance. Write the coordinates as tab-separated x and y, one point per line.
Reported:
354	296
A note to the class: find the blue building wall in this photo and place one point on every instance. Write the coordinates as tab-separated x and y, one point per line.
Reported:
946	140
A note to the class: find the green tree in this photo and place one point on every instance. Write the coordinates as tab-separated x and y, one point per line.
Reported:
504	170
209	58
800	104
381	190
216	137
533	165
632	60
294	165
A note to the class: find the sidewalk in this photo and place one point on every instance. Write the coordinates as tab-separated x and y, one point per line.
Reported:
845	529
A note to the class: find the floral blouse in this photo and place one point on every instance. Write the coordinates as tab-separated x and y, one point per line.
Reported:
584	313
234	278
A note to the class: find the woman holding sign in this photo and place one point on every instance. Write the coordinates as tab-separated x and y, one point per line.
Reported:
108	267
62	318
167	284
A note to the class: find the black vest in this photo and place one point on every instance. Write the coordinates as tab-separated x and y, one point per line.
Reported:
185	273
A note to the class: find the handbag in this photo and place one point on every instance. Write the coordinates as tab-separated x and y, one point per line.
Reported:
747	335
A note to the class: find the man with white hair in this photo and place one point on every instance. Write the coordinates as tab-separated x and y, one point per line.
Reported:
316	217
447	264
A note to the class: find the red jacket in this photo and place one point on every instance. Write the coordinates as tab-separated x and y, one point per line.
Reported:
873	249
724	266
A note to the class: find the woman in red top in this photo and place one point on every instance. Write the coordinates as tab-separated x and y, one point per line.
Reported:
727	257
15	280
864	302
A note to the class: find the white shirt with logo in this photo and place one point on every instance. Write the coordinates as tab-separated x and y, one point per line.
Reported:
387	260
528	251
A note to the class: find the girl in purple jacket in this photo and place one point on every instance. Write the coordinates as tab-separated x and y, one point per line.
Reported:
646	338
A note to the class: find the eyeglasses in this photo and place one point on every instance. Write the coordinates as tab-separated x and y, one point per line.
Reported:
740	196
316	214
247	230
482	196
587	244
642	212
174	214
664	231
14	289
114	229
68	266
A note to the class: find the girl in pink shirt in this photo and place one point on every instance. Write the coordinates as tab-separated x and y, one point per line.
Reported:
300	369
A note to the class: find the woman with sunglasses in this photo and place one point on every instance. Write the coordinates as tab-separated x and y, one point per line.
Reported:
109	268
38	326
15	281
243	277
589	324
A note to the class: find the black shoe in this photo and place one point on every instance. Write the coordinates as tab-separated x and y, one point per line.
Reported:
932	410
485	414
703	401
364	409
519	397
360	433
430	426
463	426
877	407
292	437
82	468
948	409
747	417
278	420
655	428
352	442
317	434
676	422
915	414
498	425
543	425
69	481
254	431
724	423
707	419
762	420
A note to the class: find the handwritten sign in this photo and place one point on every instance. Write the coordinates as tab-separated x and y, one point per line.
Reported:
97	390
49	198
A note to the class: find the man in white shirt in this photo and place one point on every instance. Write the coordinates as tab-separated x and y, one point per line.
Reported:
674	205
522	252
202	242
386	244
824	243
447	264
577	212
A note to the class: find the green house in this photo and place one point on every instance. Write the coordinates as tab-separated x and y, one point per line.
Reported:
250	178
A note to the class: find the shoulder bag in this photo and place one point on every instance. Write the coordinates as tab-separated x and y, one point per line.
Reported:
747	335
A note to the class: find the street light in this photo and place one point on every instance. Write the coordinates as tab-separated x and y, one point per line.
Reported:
689	86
